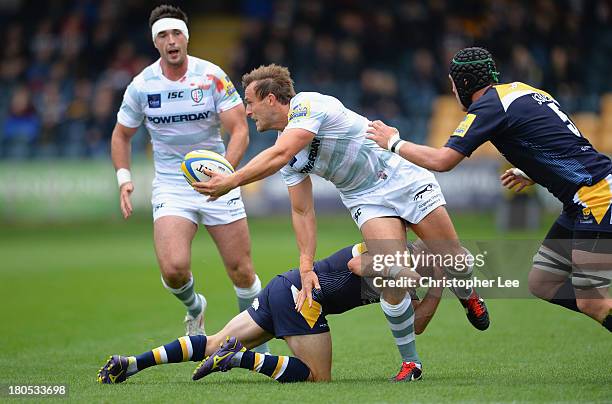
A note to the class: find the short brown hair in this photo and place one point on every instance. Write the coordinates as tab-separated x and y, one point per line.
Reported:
166	11
271	79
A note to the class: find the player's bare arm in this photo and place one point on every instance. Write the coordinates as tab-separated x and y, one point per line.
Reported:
234	122
121	150
387	137
261	166
305	229
513	177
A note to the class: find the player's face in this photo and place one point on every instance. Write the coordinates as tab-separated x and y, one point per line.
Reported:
260	111
456	94
172	46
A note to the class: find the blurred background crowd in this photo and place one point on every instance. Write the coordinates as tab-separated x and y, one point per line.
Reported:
65	64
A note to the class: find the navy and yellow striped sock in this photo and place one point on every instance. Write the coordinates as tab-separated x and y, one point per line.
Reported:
188	348
283	369
401	322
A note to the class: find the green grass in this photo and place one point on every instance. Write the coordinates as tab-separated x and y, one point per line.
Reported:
74	294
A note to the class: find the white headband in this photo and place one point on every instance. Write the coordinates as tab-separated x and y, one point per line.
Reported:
164	24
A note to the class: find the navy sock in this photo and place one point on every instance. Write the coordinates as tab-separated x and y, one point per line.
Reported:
188	348
284	369
566	297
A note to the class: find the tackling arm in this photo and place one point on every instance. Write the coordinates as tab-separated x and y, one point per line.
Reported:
387	137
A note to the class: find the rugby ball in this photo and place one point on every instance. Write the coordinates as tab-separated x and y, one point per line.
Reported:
197	161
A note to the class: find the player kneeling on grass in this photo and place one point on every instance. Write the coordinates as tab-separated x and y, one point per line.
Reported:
306	332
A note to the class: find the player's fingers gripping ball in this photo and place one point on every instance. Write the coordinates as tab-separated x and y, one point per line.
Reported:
196	163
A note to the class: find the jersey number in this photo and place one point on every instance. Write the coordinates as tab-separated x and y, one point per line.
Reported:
564	118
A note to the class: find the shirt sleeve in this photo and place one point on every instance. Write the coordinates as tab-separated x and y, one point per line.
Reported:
478	126
305	114
292	177
224	93
130	113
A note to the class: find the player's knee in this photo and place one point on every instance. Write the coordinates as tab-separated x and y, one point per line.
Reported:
534	284
175	265
176	276
241	273
540	286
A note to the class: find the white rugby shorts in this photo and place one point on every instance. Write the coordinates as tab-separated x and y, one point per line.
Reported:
411	193
184	201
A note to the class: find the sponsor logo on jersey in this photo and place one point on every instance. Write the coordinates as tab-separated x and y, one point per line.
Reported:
154	100
197	95
229	86
175	95
255	304
301	110
464	125
312	156
179	118
222	85
541	98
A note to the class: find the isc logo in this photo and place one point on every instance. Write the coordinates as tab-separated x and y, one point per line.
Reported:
175	95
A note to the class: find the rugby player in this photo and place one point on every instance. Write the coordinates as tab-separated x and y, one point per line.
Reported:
383	192
307	333
183	101
572	268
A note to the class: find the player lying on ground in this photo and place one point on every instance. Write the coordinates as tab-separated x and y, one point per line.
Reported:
307	333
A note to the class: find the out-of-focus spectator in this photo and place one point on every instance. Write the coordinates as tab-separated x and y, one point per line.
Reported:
51	108
21	128
100	126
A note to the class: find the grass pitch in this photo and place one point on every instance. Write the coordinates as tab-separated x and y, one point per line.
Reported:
73	295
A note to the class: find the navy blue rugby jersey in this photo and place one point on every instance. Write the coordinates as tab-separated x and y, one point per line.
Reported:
529	129
341	290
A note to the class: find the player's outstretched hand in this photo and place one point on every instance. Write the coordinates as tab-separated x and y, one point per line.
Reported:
310	281
124	198
218	185
513	177
381	133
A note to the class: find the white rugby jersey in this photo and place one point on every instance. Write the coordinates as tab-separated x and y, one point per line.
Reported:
181	115
339	151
